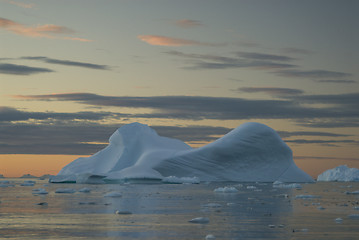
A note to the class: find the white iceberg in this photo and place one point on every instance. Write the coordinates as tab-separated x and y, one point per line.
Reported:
252	152
340	174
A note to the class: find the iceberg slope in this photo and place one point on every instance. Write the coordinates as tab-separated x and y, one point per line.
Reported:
251	152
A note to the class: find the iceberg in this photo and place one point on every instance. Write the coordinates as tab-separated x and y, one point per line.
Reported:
252	152
340	174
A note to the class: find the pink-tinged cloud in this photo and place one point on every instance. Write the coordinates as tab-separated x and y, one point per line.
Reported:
40	31
167	41
21	4
187	23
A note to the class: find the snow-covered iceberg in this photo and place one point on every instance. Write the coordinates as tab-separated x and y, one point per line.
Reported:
340	174
252	152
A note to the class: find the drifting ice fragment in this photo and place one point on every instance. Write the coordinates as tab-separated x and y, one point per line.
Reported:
173	179
226	190
85	190
340	174
199	220
65	190
210	237
39	191
306	196
113	194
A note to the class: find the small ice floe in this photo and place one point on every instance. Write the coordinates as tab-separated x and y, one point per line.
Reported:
282	195
181	180
251	187
291	185
356	208
354	192
226	190
65	190
338	220
354	216
307	196
87	203
42	203
39	191
231	204
113	194
271	226
85	190
199	220
210	237
212	205
28	183
320	208
122	212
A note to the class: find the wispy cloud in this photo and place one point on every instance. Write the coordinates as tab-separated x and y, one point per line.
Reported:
271	90
68	63
340	81
14	69
264	56
50	31
245	60
21	4
188	23
158	40
198	108
313	74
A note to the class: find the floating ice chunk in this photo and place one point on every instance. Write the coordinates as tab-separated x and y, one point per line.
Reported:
39	191
210	237
321	208
356	208
271	226
306	196
85	190
212	205
354	216
28	183
251	187
4	182
199	220
338	220
174	179
340	174
121	212
28	176
226	190
65	190
354	192
113	194
291	185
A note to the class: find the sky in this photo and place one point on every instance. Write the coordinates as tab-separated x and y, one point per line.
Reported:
72	72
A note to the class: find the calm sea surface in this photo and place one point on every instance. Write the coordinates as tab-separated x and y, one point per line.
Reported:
163	211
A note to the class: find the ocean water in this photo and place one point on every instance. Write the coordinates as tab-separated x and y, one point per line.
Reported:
324	210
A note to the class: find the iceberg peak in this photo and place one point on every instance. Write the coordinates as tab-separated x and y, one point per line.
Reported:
252	152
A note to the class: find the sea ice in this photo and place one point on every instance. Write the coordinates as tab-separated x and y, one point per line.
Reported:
199	220
188	180
85	190
65	190
28	183
39	191
340	174
252	152
226	190
291	185
210	237
113	194
306	196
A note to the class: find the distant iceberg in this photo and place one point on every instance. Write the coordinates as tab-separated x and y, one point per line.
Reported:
340	174
252	152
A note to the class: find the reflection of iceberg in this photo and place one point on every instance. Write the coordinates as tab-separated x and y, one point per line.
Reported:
340	174
251	152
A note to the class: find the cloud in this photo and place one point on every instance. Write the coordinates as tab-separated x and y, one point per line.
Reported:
263	56
170	42
340	81
293	50
207	61
21	4
271	90
200	107
313	74
188	23
334	122
14	69
8	114
40	31
287	134
68	63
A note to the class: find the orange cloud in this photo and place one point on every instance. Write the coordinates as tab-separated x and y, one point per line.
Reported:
40	31
167	41
21	4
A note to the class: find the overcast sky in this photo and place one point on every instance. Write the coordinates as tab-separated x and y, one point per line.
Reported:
72	72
